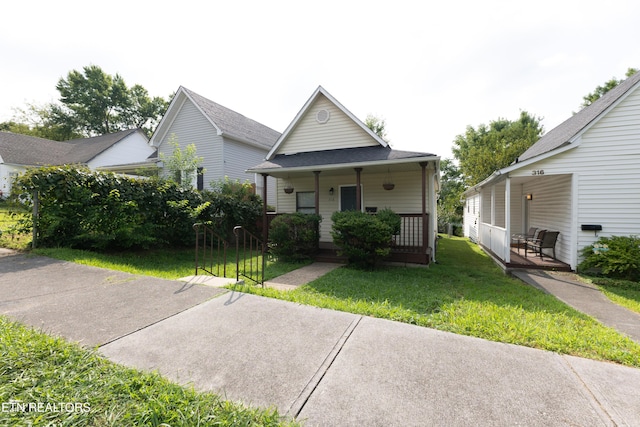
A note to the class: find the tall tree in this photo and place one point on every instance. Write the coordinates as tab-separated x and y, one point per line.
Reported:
601	90
482	151
449	206
96	103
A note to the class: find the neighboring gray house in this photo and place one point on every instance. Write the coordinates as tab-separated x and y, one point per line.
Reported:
228	142
123	151
583	173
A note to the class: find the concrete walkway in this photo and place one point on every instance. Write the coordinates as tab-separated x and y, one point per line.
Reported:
584	297
324	367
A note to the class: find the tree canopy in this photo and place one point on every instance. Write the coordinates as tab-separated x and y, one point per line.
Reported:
377	125
606	87
91	103
482	151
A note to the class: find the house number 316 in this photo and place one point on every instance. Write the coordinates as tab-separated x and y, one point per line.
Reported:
537	172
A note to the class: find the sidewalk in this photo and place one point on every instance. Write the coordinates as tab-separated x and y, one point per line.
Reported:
324	367
584	297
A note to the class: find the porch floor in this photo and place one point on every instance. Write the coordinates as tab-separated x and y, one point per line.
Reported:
532	261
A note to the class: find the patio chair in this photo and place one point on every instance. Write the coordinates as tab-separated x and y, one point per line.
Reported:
521	239
535	239
548	241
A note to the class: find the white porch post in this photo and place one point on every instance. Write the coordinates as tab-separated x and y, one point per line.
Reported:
507	220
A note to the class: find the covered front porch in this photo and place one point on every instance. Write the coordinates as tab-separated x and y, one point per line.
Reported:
405	185
511	205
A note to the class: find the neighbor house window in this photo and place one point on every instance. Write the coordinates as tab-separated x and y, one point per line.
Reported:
200	179
306	202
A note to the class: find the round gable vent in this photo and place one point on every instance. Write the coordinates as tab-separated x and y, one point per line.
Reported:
322	116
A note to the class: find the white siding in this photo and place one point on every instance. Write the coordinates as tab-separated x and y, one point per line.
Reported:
550	209
339	132
471	217
132	149
404	198
191	127
7	172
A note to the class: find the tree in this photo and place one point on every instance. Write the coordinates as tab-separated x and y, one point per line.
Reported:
482	151
182	164
601	90
450	208
377	125
95	103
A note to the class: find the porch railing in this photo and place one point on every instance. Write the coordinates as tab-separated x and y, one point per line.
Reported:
250	256
211	250
411	244
496	240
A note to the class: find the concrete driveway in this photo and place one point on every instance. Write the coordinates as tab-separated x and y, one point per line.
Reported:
325	367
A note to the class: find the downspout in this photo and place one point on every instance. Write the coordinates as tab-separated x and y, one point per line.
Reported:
358	192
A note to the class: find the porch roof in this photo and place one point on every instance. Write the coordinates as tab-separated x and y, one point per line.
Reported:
340	159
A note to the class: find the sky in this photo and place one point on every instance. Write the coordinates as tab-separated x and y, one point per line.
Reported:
428	69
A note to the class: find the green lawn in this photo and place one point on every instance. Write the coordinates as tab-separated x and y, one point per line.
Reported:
467	294
622	292
77	387
8	237
464	293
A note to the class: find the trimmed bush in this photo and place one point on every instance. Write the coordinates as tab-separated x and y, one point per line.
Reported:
294	237
363	238
615	257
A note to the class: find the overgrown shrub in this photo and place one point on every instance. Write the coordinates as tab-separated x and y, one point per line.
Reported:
231	203
294	237
364	238
616	257
97	210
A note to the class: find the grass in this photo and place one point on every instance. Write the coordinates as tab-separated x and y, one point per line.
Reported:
84	389
467	294
622	292
9	238
166	263
464	293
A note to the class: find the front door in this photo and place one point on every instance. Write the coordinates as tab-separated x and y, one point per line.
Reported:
348	198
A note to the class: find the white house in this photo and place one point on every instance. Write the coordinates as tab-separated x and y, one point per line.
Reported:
328	160
582	179
228	142
123	151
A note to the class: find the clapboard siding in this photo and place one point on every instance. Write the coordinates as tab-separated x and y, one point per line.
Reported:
550	209
471	217
191	127
237	156
404	198
339	132
132	148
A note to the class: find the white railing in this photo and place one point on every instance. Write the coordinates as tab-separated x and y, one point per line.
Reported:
495	239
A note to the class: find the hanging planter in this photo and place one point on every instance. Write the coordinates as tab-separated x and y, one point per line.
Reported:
388	184
288	187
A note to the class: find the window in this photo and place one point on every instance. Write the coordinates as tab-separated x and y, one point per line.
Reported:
306	202
200	179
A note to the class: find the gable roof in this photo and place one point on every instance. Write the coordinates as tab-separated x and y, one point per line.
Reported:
226	121
318	92
29	150
567	131
32	151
